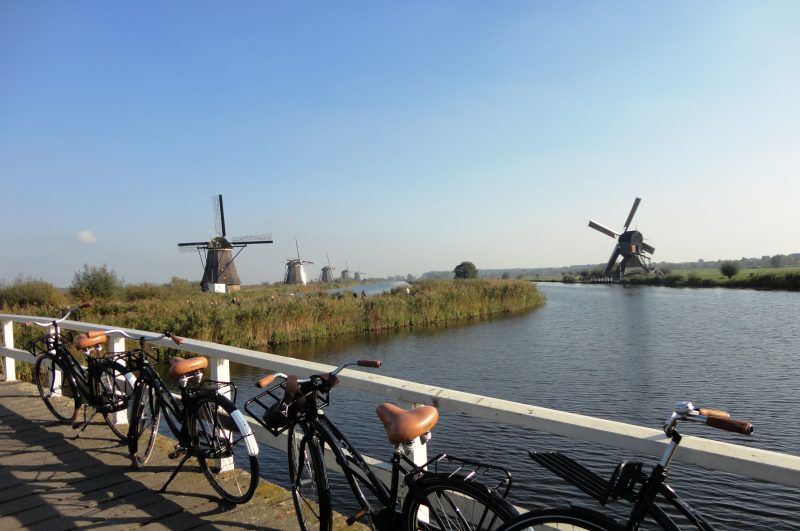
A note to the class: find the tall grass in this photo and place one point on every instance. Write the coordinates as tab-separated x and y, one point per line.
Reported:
267	316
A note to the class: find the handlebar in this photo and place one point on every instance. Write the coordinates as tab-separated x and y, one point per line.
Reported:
715	418
270	378
176	339
55	322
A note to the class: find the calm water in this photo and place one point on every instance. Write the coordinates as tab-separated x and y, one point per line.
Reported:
621	353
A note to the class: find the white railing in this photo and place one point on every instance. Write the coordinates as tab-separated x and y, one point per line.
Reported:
765	465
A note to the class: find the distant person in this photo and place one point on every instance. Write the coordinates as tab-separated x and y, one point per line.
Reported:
363	294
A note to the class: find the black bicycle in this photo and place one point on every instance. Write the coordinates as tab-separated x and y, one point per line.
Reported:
204	421
103	385
434	500
628	482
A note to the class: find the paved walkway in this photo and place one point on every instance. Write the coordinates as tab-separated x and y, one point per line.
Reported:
51	481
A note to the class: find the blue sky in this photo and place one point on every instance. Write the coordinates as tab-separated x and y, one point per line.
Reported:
396	137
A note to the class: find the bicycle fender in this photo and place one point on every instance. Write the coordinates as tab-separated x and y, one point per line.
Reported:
246	431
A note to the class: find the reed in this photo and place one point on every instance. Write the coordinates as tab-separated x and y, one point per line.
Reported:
258	318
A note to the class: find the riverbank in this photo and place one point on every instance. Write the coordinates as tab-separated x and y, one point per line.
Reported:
771	280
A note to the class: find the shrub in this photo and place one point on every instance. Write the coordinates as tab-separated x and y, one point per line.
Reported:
26	291
95	282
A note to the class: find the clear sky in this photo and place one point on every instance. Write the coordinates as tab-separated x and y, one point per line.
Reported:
400	137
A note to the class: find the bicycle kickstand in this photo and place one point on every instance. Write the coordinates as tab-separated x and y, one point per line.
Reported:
186	457
87	419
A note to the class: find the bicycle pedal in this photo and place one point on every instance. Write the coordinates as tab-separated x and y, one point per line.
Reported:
177	452
356	517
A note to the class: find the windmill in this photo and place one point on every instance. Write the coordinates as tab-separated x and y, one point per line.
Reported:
219	270
357	275
326	275
346	271
630	245
295	274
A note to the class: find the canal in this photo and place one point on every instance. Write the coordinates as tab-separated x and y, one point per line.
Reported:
615	352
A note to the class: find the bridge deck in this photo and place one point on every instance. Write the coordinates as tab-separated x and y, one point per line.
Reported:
50	480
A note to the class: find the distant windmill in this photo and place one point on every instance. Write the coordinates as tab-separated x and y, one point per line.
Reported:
630	245
346	271
218	263
326	275
295	273
357	275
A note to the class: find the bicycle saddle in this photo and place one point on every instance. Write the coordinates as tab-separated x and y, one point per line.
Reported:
403	425
181	366
85	341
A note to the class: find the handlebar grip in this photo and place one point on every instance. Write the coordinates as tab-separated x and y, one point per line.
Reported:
375	364
177	339
736	426
713	413
95	333
266	380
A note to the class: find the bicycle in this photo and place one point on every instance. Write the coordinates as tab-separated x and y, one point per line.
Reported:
624	481
434	499
206	423
104	384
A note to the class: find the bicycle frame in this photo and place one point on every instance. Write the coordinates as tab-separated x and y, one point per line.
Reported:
82	377
628	475
355	468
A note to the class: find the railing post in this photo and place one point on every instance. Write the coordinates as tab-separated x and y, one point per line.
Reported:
220	370
9	364
116	345
419	454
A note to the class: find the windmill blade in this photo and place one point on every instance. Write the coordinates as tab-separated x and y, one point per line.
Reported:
604	230
648	248
193	244
255	238
183	248
612	260
219	215
633	211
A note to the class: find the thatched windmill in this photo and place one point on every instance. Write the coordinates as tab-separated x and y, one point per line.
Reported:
326	275
217	255
295	273
346	271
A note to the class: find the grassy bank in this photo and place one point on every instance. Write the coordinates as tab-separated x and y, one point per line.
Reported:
770	279
267	316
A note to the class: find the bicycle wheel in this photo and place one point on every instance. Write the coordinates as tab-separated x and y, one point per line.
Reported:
113	391
143	423
566	519
225	447
309	481
445	502
56	388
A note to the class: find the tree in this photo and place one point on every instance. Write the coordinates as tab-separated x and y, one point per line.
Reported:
465	270
506	275
728	268
95	282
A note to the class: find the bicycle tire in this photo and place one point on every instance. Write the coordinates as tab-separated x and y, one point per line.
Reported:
563	518
143	423
453	503
59	393
113	392
308	481
220	439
